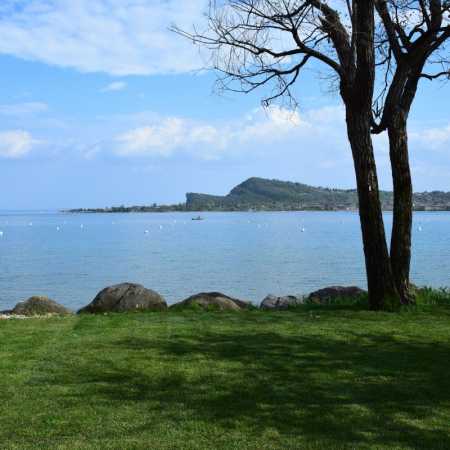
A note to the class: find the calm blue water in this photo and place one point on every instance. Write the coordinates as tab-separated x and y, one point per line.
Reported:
247	255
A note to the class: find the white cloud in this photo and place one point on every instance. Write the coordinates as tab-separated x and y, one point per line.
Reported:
115	86
15	144
160	139
435	138
170	135
211	141
21	109
119	37
272	123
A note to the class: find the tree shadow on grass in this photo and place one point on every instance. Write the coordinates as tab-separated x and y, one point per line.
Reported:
365	389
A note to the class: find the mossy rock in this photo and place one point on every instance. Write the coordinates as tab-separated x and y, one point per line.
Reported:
272	302
331	294
39	306
125	297
212	301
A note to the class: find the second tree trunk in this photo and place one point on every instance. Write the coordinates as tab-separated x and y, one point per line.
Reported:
403	206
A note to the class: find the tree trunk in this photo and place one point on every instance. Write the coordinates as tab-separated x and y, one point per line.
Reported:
357	94
383	294
403	206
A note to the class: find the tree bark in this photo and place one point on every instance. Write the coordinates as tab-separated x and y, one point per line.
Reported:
403	206
383	294
357	94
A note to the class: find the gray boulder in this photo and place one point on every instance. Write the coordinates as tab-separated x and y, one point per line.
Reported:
39	306
213	301
327	295
284	302
125	297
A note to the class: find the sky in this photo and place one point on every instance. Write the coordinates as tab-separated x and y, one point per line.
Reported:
101	104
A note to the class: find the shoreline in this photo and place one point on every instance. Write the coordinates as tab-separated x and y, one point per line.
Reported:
105	211
132	297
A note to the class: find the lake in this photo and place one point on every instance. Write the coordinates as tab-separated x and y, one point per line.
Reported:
70	257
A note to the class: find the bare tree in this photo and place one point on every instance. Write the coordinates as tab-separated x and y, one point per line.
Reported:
411	38
255	43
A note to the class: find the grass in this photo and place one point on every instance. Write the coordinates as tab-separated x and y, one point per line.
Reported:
336	377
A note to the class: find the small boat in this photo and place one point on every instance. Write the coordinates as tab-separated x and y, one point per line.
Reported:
198	218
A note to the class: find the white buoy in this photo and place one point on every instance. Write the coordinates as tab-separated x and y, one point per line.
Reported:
57	228
160	227
420	228
1	233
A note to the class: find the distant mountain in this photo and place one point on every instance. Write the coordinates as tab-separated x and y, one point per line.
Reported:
275	195
260	194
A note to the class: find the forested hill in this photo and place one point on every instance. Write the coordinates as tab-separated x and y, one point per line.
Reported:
260	194
263	194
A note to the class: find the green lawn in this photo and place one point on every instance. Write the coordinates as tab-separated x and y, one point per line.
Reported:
320	378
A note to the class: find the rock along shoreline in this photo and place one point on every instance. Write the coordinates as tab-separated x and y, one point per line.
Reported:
132	297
